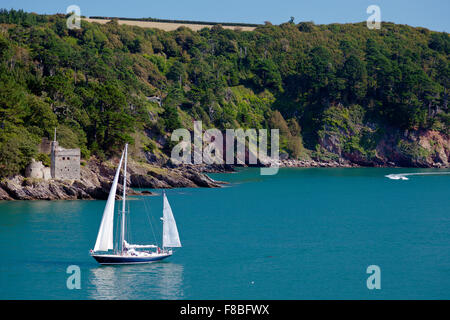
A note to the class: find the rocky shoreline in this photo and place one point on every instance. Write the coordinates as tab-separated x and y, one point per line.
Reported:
96	179
97	176
291	163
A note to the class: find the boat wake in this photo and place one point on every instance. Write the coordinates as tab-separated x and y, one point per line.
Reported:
404	176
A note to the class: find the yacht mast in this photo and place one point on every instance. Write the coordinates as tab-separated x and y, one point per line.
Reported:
122	234
105	237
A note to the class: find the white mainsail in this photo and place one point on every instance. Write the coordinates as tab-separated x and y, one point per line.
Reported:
171	239
105	233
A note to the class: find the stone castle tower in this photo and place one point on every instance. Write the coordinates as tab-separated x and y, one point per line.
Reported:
65	163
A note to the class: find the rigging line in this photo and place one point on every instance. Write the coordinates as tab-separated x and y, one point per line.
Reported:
128	224
126	237
127	217
149	218
116	233
151	224
117	244
147	210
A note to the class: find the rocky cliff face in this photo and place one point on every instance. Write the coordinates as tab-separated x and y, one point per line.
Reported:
96	179
416	149
345	136
421	149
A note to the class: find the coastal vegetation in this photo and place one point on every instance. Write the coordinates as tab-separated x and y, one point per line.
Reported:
337	91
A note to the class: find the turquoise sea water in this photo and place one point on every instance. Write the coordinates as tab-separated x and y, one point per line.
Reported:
301	234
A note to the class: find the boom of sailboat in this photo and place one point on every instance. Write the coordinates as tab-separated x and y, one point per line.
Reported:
108	251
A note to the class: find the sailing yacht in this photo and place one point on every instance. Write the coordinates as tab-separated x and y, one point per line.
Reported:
105	252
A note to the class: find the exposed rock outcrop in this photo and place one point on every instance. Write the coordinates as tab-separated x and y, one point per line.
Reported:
96	179
345	135
420	149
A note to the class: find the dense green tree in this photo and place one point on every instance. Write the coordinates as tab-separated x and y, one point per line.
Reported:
98	84
355	74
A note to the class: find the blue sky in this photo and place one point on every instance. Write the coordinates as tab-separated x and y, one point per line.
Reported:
432	14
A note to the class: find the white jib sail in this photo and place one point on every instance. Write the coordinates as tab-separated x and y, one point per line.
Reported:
171	239
105	233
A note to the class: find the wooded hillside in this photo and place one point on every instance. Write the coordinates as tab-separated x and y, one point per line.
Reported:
312	82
